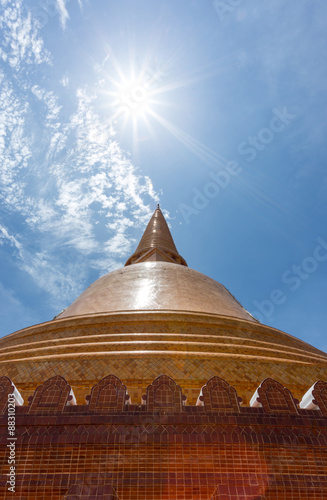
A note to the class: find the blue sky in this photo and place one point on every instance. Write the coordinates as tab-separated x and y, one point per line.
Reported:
217	110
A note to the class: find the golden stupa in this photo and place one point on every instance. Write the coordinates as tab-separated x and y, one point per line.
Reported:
157	316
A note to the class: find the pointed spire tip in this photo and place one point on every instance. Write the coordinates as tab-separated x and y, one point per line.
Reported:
158	238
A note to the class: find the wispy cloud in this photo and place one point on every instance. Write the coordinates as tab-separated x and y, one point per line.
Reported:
21	43
14	145
63	13
76	194
65	81
50	101
5	237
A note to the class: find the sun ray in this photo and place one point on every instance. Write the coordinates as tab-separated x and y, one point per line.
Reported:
137	95
202	151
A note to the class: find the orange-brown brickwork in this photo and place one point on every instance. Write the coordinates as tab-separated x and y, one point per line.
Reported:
195	453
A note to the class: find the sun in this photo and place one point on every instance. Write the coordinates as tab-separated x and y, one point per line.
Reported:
133	97
134	100
138	101
135	91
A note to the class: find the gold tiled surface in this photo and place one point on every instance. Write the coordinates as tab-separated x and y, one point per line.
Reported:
116	327
156	286
138	373
137	347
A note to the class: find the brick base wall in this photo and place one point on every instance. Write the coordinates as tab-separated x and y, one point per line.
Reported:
191	455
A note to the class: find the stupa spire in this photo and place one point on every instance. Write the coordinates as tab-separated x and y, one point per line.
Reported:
157	243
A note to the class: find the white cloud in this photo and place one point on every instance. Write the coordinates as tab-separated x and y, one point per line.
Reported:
64	81
21	42
63	13
6	237
14	145
50	101
76	195
118	244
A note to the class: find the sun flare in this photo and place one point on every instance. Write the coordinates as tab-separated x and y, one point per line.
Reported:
133	97
138	102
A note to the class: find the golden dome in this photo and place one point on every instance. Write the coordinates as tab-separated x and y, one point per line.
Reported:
156	286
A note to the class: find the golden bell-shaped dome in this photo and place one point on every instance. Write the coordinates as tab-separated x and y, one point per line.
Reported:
156	286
